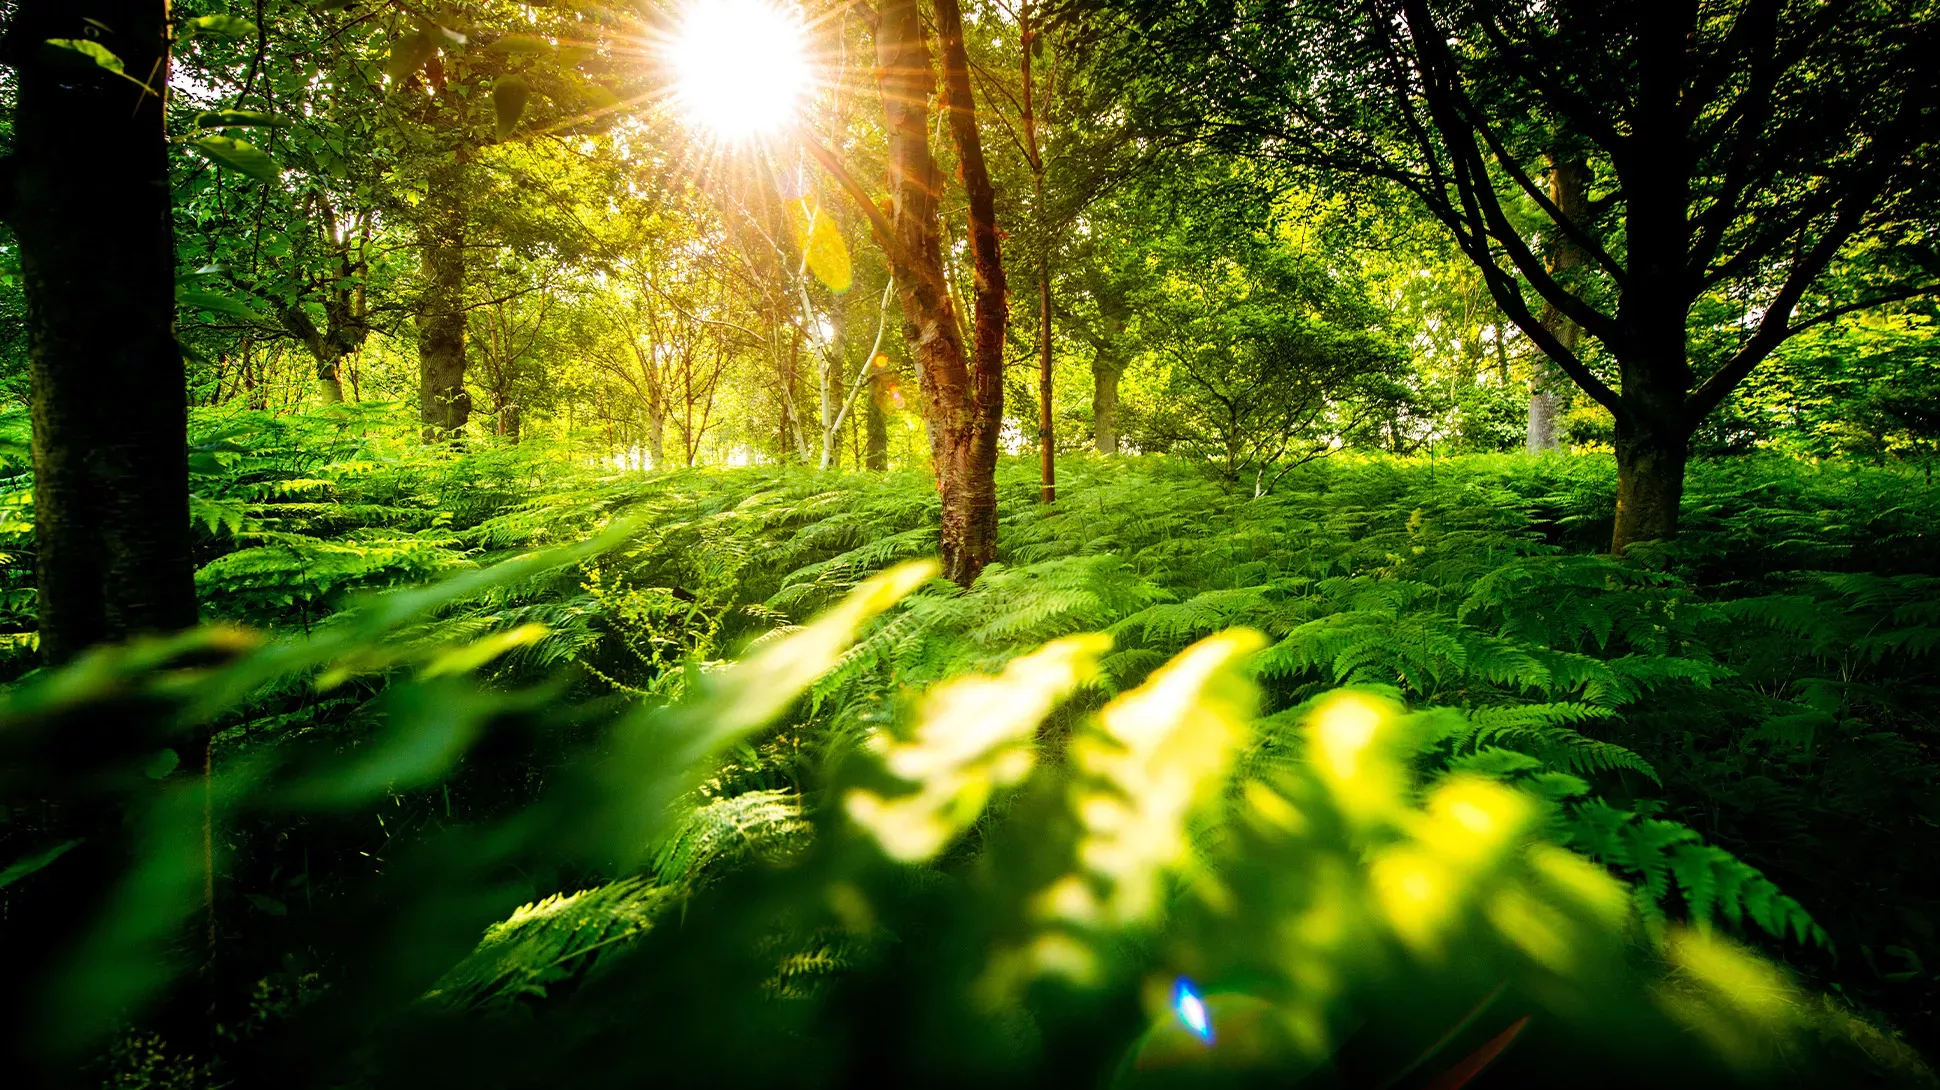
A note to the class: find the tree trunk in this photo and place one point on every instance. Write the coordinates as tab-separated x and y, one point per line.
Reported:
1047	436
443	404
963	391
1650	484
1046	420
657	433
1104	404
511	423
970	507
90	207
87	194
330	386
876	448
1569	188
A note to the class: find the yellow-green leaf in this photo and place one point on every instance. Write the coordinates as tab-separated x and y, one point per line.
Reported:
519	43
408	54
820	240
239	156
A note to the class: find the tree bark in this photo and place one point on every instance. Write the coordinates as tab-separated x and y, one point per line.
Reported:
87	194
1105	374
1569	189
90	207
444	406
963	389
1650	484
875	451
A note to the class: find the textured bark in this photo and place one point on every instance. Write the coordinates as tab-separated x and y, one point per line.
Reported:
962	388
1650	485
1569	188
90	206
1105	374
444	406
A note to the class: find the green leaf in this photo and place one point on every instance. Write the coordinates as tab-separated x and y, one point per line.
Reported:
519	43
233	119
509	96
80	51
28	864
267	904
220	304
239	156
161	764
408	54
598	97
225	26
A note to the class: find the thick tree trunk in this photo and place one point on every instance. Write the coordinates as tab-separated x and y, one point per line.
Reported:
1650	484
1569	188
444	406
87	194
90	207
963	391
974	517
1105	374
330	386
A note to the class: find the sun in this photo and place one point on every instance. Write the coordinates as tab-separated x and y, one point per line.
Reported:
740	67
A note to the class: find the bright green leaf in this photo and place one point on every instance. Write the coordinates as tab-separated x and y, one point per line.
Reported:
225	26
239	156
82	51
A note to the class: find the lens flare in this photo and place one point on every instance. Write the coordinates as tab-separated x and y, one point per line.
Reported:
1192	1010
740	66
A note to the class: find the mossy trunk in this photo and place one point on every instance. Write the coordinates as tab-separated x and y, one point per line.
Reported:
1104	404
444	406
1650	484
1569	188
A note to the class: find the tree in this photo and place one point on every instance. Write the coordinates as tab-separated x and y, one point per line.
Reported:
1736	148
87	195
1262	362
962	383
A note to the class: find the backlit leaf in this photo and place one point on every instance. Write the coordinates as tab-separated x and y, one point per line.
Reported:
239	156
225	26
509	96
823	252
82	51
408	54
